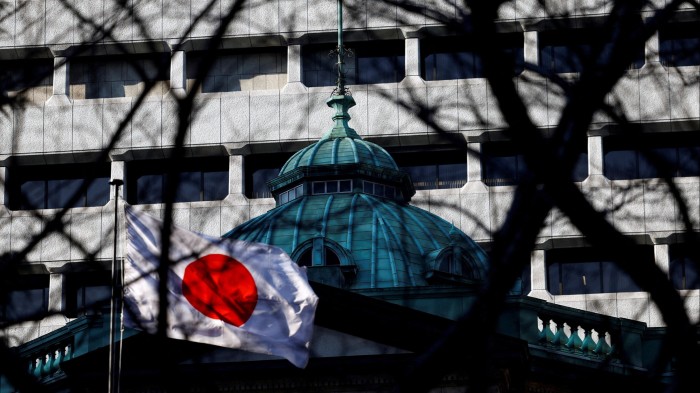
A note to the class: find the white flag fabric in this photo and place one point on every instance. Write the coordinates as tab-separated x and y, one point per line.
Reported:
223	292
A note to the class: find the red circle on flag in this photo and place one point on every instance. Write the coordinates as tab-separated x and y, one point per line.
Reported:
220	287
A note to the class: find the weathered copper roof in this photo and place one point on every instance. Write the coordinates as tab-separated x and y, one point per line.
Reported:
379	238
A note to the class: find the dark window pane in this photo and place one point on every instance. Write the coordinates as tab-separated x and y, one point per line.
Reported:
33	194
683	267
580	277
98	192
27	304
679	44
188	187
27	298
389	191
620	164
260	179
667	156
331	187
452	175
198	179
368	187
424	177
689	161
331	258
59	193
52	186
305	258
371	62
345	186
215	185
319	187
379	189
501	170
379	69
586	270
615	280
149	189
568	50
581	168
454	57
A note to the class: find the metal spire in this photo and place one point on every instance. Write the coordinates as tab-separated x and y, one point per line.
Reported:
340	86
340	99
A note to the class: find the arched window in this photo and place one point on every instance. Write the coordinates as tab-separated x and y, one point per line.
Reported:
327	257
452	263
327	261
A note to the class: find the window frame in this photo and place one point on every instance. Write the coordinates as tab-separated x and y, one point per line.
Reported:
139	169
606	276
451	48
356	53
46	177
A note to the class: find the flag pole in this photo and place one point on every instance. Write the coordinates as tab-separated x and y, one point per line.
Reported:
115	309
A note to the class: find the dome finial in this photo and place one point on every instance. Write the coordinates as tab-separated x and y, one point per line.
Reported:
340	99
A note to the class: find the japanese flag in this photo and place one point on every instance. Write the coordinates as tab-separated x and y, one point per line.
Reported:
219	291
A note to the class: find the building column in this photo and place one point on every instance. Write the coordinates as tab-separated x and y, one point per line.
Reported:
651	50
530	49
474	162
2	185
178	73
412	62
236	174
295	70
412	56
595	156
57	298
662	257
61	82
538	277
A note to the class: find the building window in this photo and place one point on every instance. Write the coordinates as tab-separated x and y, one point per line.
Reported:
569	50
430	170
679	44
454	57
684	268
291	195
502	164
87	293
53	186
651	156
572	271
331	187
259	169
27	298
123	76
320	251
369	63
27	79
199	179
240	70
379	190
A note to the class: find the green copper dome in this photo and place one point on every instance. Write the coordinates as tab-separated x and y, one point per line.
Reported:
342	210
340	150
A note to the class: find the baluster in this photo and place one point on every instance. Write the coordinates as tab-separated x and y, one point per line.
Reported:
588	344
33	368
68	352
545	335
57	359
575	341
560	337
46	366
602	348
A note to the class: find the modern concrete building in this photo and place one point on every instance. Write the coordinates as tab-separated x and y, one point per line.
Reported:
78	73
